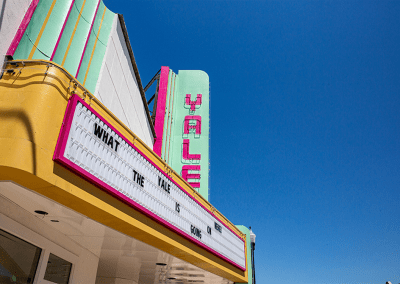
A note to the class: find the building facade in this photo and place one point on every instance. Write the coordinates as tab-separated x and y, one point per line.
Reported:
87	195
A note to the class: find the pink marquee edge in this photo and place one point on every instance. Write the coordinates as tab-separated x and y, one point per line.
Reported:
59	158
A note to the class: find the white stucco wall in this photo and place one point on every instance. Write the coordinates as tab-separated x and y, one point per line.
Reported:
118	89
11	14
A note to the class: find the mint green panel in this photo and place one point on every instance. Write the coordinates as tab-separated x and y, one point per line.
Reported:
32	31
192	82
67	33
52	30
100	49
78	42
79	38
245	230
90	44
106	27
88	51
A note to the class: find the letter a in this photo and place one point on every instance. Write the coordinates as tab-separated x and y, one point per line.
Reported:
187	126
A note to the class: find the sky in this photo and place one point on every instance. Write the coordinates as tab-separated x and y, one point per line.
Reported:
305	125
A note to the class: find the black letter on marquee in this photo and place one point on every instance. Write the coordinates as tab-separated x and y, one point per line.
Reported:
177	205
116	145
105	136
209	230
98	130
111	142
217	227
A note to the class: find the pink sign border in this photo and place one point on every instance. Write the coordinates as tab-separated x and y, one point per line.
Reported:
160	111
59	158
22	27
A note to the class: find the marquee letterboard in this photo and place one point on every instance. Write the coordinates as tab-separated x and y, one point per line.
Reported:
95	150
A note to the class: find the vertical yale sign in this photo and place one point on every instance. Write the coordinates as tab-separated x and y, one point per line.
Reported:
185	120
91	147
190	129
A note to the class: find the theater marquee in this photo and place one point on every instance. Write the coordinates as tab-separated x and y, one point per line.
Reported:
92	148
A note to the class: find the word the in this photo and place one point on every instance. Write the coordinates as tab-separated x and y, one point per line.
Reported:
138	178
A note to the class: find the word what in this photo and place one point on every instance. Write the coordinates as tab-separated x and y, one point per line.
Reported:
107	138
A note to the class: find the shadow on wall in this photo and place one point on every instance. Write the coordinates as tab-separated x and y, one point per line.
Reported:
21	115
3	6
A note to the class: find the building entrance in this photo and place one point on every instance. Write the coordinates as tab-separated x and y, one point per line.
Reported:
18	259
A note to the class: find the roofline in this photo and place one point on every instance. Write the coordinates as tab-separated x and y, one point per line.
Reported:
137	75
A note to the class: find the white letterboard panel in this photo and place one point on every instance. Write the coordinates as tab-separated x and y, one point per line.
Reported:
94	149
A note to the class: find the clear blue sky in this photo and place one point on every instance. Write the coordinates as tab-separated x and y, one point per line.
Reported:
305	125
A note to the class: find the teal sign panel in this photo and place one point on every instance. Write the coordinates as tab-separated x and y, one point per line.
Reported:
185	142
